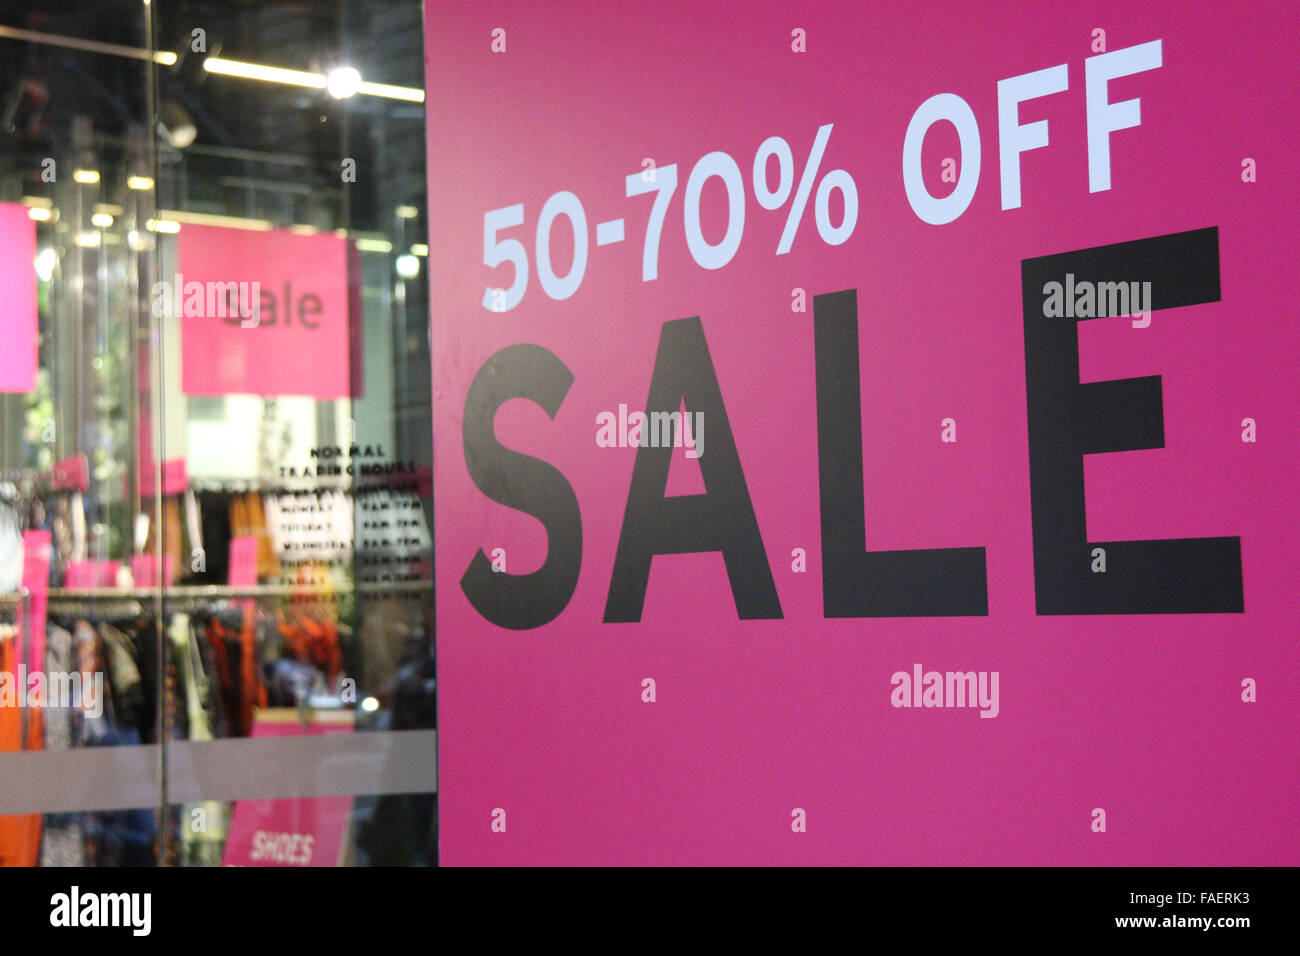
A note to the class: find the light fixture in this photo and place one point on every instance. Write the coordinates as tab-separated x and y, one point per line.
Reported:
408	93
343	82
87	177
101	220
270	74
139	182
46	260
374	245
176	125
210	219
407	212
408	267
369	704
419	249
40	213
163	225
345	79
88	240
163	57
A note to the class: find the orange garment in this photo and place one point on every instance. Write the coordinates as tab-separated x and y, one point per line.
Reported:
20	834
268	565
174	565
248	520
312	641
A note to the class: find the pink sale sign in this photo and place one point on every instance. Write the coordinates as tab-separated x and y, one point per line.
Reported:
262	313
18	310
865	434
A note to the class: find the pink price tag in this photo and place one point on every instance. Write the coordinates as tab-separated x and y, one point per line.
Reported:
71	474
81	574
175	477
144	570
36	579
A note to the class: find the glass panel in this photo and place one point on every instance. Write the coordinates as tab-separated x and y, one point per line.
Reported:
79	648
228	436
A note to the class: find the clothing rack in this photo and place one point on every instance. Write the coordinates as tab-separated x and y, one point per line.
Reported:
67	600
239	486
358	484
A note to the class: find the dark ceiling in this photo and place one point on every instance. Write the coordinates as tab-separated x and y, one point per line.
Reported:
261	149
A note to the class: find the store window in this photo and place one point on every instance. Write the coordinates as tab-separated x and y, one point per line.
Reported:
216	612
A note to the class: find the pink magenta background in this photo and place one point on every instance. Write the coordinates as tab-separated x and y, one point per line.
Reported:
1139	715
18	311
221	359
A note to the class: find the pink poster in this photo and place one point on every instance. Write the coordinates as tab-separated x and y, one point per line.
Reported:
865	433
306	832
264	313
18	314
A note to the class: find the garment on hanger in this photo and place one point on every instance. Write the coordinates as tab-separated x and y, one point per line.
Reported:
20	834
62	834
199	847
214	514
11	546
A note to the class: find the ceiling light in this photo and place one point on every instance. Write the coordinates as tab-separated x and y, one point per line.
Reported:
88	240
408	93
374	245
40	213
46	260
419	249
211	219
408	267
87	177
270	74
139	182
163	225
342	82
101	220
176	125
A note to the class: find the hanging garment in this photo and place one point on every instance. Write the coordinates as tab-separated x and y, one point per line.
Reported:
200	845
233	640
63	834
169	536
193	522
214	513
77	510
11	548
268	566
20	834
